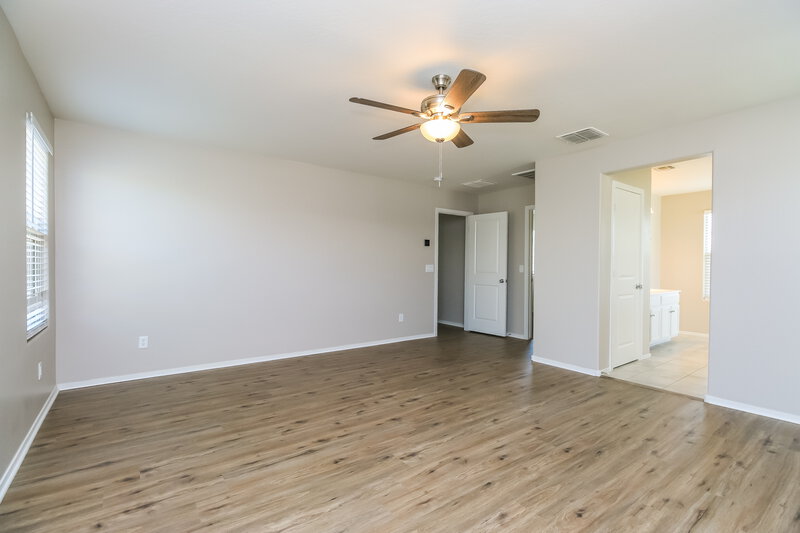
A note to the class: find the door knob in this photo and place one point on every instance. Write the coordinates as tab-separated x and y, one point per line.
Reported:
638	286
502	281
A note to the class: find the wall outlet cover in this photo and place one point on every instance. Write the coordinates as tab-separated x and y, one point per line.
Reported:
428	268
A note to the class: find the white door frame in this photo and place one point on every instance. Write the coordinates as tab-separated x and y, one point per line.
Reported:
530	210
611	302
440	211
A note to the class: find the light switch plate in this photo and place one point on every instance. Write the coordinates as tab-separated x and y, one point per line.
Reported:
428	268
522	269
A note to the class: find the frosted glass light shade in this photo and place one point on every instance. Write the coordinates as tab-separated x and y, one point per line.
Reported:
440	129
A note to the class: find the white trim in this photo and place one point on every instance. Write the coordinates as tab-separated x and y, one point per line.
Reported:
233	362
22	451
645	356
530	211
449	323
747	408
693	334
518	336
565	366
440	211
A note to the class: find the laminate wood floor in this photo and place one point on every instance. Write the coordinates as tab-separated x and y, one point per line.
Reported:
452	434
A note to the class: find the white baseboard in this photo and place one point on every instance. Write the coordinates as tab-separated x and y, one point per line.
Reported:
454	324
565	366
645	356
747	408
517	336
22	451
693	334
233	362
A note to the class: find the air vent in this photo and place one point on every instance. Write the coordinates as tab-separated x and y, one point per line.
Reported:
530	173
581	136
477	184
665	168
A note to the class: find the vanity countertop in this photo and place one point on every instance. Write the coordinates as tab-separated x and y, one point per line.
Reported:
662	291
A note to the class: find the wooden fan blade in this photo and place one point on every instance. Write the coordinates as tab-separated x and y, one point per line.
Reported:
512	115
395	133
390	107
462	139
466	83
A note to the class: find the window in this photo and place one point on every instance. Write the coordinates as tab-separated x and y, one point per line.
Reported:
706	255
37	170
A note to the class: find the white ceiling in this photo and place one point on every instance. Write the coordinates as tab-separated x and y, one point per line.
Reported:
274	76
692	175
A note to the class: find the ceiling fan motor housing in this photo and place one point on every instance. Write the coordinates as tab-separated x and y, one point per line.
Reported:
432	105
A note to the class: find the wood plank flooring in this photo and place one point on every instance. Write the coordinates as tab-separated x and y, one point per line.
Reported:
453	434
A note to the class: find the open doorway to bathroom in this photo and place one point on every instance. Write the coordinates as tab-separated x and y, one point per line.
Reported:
672	301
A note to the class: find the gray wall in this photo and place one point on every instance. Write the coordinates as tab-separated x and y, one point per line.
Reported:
452	236
21	395
514	201
753	360
219	255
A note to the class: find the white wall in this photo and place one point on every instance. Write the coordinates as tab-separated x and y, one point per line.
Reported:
21	394
452	240
218	255
753	354
514	201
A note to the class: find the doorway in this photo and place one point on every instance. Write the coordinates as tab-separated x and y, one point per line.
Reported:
470	266
676	277
449	258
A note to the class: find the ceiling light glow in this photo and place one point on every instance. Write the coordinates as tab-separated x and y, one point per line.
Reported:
440	129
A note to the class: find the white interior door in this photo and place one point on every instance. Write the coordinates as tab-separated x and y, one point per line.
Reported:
627	319
485	289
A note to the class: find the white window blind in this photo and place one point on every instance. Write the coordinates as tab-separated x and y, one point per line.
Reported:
37	170
706	255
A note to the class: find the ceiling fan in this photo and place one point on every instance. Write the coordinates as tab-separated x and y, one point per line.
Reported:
442	111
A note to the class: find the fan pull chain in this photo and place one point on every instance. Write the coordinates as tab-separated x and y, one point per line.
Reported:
438	179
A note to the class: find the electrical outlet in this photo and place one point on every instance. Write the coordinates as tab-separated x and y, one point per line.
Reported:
39	371
401	317
522	269
144	341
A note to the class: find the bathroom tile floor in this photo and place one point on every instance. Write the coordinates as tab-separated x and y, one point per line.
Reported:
680	365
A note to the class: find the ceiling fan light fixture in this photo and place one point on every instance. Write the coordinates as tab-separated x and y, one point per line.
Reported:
440	129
